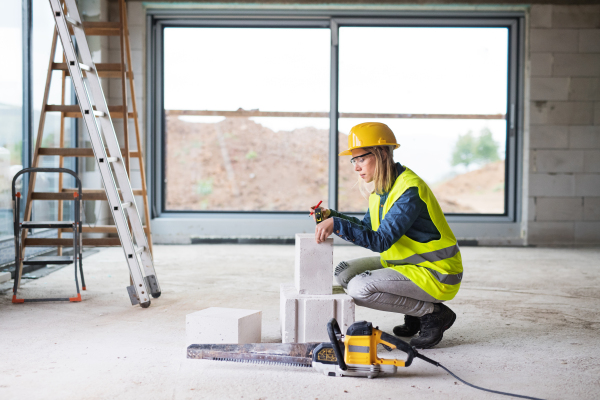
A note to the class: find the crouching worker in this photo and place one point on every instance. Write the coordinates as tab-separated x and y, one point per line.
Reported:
420	265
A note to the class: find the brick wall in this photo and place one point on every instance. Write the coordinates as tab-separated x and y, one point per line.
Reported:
564	130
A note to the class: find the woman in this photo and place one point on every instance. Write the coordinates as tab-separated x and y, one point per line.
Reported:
420	264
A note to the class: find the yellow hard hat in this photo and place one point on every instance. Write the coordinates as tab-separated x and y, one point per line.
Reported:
370	134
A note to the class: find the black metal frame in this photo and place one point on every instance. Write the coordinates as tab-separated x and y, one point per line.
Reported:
76	225
159	19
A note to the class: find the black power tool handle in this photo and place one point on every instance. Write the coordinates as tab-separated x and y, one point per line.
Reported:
333	330
401	345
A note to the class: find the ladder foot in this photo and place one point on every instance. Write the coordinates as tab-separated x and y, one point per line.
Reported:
145	305
76	298
156	295
83	288
17	301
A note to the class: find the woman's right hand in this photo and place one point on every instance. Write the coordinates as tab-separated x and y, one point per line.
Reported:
324	212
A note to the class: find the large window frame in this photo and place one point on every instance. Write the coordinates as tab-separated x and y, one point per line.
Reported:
160	18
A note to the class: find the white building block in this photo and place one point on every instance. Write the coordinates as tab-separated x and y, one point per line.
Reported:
223	325
314	265
304	317
4	277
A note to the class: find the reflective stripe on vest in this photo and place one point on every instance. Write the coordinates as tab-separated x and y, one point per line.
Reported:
436	266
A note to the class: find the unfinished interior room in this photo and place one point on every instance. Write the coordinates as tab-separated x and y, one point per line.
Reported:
300	199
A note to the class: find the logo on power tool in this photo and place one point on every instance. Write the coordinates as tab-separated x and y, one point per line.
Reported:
326	355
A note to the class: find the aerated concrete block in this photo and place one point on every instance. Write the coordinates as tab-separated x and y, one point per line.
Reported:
223	325
304	318
4	277
314	265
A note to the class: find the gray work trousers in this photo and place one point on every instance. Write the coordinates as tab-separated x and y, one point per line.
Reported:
371	285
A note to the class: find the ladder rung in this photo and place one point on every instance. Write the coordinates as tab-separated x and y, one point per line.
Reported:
140	250
100	229
97	113
102	28
45	260
73	111
93	242
82	66
75	152
71	21
126	205
104	70
67	194
47	224
112	159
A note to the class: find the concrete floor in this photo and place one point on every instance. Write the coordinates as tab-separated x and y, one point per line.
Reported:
528	322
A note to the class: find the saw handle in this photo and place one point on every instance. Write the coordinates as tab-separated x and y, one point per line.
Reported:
333	330
393	342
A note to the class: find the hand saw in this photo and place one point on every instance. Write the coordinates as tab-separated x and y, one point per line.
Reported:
354	354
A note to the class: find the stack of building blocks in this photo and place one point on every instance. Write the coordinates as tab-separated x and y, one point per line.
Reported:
307	305
223	326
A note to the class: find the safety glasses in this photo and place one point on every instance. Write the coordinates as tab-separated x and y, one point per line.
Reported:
359	159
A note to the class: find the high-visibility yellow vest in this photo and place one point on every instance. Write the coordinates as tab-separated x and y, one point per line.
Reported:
436	266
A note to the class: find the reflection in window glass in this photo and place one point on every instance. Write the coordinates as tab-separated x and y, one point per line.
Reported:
11	103
226	162
430	71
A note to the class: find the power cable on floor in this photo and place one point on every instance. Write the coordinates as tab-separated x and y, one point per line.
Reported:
437	364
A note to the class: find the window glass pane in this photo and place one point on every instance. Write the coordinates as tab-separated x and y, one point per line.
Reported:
11	103
246	161
43	30
431	71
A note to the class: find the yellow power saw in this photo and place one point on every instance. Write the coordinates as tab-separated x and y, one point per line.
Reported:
353	354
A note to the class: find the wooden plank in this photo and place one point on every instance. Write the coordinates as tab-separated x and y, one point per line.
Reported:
74	152
98	28
98	229
257	113
67	194
89	242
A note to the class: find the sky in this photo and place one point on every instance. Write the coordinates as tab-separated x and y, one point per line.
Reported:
381	70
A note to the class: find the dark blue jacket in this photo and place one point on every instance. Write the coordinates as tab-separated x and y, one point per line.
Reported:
407	216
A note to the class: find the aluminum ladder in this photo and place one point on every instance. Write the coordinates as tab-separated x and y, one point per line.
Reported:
107	153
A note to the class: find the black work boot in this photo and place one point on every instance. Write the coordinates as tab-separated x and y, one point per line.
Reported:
410	328
433	326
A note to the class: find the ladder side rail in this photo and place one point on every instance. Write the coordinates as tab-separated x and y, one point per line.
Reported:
91	122
112	142
137	131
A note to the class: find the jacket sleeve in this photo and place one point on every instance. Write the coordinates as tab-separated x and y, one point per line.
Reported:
366	221
397	221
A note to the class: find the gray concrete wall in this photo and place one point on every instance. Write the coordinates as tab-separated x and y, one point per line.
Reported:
564	130
561	203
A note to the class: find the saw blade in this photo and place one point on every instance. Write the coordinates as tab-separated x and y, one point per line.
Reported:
285	354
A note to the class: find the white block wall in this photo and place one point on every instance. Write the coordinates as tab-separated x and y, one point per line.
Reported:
562	137
564	131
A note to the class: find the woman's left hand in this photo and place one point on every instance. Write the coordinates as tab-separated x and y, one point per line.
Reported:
324	230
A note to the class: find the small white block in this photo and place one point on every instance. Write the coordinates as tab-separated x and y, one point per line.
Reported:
4	277
314	265
288	314
304	318
316	313
223	325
